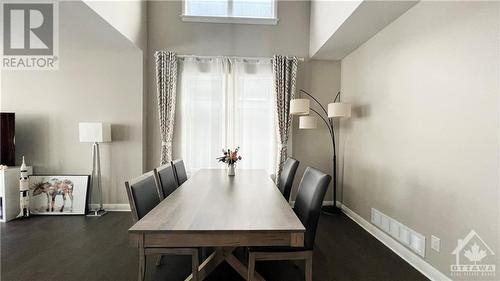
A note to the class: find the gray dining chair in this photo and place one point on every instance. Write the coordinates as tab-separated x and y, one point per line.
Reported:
166	180
287	176
180	171
167	183
307	207
144	195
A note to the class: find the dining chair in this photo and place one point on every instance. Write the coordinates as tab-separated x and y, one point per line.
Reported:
143	195
287	175
166	180
167	183
307	207
180	171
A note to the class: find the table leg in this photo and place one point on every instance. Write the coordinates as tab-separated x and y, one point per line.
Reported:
208	265
242	269
251	266
142	260
195	265
216	258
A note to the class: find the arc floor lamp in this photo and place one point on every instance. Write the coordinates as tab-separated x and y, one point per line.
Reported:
336	109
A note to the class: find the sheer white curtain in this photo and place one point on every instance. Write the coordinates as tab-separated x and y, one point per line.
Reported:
254	129
227	103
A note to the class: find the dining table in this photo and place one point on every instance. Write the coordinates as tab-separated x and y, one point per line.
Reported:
212	209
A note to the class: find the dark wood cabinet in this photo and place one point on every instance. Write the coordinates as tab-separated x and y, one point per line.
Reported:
7	140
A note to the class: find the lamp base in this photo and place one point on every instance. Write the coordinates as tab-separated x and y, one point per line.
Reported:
97	213
331	210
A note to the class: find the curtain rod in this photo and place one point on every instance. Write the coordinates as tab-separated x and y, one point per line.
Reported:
232	57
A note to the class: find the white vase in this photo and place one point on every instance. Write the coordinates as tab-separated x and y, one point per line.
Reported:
230	170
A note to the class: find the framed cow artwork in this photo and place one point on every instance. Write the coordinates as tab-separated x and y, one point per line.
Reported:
59	194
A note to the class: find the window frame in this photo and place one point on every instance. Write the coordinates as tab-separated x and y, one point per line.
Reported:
230	19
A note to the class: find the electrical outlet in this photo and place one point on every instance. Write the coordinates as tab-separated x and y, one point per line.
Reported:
435	243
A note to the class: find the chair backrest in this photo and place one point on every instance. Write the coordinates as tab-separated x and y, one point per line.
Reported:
167	183
142	194
287	175
180	171
309	200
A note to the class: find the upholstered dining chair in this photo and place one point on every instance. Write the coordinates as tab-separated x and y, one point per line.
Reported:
307	207
180	171
166	180
167	183
287	175
144	195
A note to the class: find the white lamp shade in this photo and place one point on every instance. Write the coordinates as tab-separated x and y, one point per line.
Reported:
299	106
307	122
94	132
339	109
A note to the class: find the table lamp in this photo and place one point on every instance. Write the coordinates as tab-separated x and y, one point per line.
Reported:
95	133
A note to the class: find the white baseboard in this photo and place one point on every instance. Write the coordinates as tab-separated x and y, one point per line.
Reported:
325	203
410	257
113	207
328	203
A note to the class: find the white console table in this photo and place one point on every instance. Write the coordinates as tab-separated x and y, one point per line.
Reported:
9	192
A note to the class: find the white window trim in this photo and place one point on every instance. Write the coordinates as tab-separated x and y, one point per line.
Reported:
238	20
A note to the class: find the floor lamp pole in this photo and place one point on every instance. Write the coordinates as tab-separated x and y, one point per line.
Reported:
333	209
96	182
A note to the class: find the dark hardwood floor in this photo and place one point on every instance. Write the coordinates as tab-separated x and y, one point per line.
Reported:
89	248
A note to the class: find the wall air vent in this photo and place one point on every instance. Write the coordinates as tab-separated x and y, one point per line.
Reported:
403	234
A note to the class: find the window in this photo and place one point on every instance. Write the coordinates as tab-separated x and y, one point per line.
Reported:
230	11
226	103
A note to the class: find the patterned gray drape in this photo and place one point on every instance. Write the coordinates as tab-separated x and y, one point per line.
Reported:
284	72
166	84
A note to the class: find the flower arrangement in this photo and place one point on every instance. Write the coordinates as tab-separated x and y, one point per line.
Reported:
230	157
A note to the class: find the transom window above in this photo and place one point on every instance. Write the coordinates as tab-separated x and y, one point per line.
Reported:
230	11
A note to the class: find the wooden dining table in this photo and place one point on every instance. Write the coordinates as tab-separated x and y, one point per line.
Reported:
212	209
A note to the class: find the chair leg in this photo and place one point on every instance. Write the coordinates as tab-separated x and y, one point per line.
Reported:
251	266
158	260
308	269
195	262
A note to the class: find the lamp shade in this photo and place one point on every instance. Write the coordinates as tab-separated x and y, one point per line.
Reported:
299	106
307	122
94	132
339	109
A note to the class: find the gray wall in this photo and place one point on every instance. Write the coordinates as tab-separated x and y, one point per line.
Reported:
99	79
289	37
314	147
130	19
423	143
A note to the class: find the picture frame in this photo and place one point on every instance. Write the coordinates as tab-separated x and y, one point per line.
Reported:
59	194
